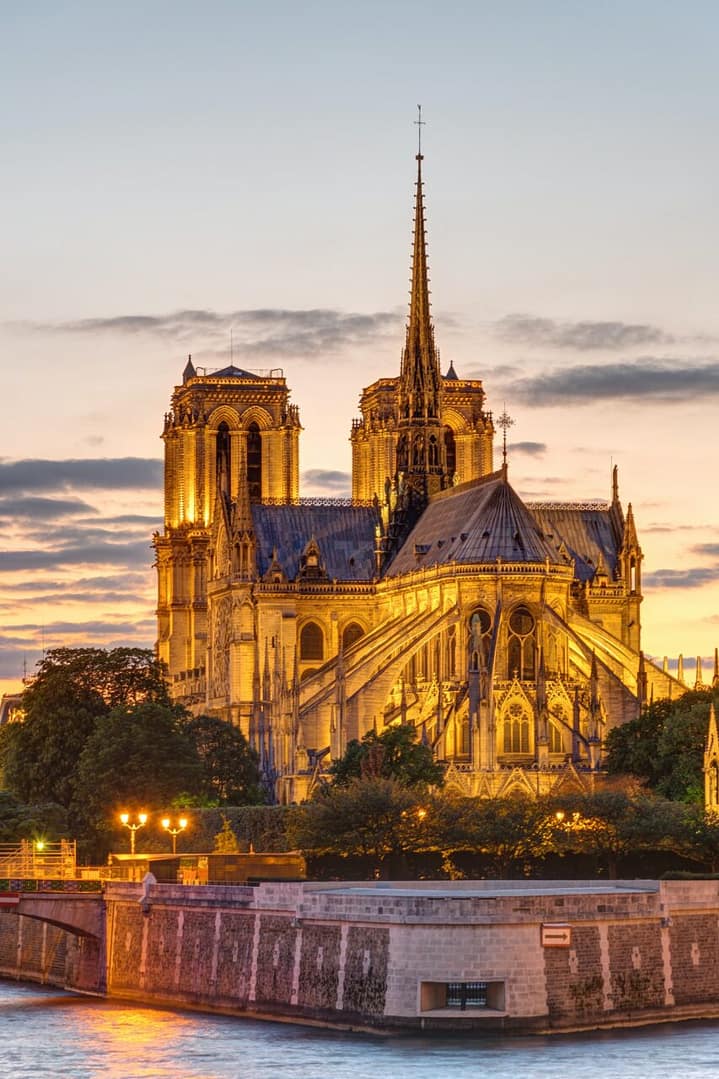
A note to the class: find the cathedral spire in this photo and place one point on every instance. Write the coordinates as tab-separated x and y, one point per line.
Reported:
421	454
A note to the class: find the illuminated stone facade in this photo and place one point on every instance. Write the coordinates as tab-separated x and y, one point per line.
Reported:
507	632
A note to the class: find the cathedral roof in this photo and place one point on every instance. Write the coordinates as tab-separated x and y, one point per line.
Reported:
477	522
585	531
345	536
235	372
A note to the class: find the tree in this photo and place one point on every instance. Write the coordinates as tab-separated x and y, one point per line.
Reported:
225	841
117	675
19	821
40	754
610	824
505	830
665	745
393	754
373	816
138	757
72	689
230	765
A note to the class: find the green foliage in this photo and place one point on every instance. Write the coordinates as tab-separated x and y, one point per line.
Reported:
117	675
40	754
73	688
226	840
19	821
372	816
139	757
665	746
230	765
381	818
265	827
394	754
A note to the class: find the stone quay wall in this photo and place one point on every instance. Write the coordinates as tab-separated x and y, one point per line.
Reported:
559	956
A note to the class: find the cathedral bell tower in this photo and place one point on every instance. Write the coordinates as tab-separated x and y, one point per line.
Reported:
232	439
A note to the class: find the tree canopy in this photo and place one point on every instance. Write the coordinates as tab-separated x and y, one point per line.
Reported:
394	754
72	689
138	757
372	816
230	766
665	746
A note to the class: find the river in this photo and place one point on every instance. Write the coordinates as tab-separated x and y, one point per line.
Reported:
48	1033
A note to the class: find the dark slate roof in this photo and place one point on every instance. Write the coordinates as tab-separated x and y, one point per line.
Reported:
477	522
235	372
345	535
451	373
586	532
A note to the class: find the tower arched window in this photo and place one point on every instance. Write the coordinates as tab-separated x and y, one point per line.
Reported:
222	455
351	634
521	645
254	462
312	642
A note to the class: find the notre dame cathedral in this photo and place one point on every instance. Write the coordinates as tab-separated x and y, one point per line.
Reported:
507	632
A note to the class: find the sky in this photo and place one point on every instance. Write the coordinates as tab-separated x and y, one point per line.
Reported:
179	176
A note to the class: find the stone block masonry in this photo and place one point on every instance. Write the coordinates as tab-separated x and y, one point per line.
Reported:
463	956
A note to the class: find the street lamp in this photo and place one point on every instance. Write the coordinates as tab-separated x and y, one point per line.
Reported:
141	822
174	832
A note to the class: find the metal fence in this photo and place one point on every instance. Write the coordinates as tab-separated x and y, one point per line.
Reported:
36	860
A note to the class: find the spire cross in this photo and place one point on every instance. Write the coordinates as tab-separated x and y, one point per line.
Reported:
420	124
505	422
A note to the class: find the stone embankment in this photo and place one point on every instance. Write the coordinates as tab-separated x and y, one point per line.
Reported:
469	955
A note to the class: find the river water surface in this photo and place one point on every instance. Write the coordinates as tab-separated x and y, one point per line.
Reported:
44	1032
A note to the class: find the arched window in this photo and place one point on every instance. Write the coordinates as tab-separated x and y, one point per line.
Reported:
556	741
351	634
521	645
312	642
452	652
516	730
480	629
254	462
450	449
222	455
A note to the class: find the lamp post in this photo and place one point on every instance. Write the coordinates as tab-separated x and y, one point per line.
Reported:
174	832
141	822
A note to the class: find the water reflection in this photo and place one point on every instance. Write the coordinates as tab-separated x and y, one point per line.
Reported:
44	1033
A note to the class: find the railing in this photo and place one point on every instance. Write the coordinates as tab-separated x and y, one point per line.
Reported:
35	860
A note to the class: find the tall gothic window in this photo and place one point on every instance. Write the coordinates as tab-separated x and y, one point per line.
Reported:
254	462
516	730
312	642
223	458
556	741
450	448
521	645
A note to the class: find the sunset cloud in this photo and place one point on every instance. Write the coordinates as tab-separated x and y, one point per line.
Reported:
265	331
333	481
694	577
646	380
100	473
578	336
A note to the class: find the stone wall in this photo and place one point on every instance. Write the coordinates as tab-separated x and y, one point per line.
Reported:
375	955
34	951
